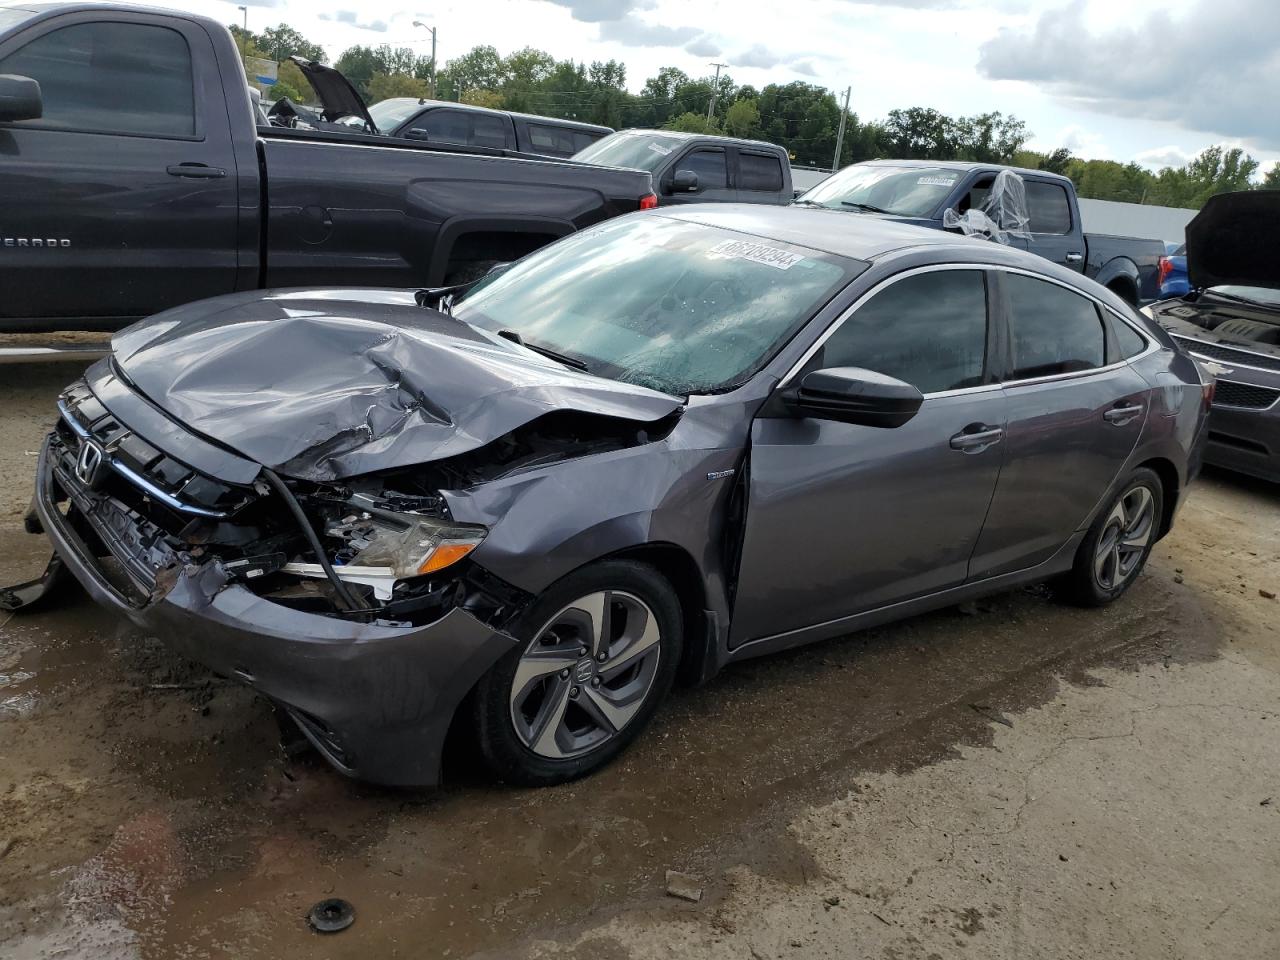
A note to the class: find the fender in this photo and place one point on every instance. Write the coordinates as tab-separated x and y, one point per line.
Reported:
1119	268
453	229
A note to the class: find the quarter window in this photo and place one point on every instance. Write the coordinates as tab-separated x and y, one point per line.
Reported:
1053	330
710	167
929	330
487	131
760	172
106	77
446	126
1129	340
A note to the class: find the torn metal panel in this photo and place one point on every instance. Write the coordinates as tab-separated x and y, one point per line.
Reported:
385	385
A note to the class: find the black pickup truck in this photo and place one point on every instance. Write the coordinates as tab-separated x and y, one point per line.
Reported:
135	176
923	192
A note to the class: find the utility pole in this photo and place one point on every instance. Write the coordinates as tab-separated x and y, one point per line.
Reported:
419	23
715	89
835	163
244	37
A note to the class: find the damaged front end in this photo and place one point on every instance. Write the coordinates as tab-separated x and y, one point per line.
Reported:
222	572
354	604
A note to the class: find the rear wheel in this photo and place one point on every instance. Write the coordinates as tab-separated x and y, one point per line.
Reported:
1117	546
597	653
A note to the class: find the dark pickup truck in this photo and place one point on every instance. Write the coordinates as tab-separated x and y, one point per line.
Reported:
134	176
699	168
923	191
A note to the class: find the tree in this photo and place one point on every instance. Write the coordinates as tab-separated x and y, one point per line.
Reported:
384	86
989	137
482	98
1272	180
922	133
692	123
282	41
480	68
742	119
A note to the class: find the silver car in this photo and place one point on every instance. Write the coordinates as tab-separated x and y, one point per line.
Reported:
672	441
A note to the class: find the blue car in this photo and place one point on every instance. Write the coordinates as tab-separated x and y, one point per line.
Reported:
1172	273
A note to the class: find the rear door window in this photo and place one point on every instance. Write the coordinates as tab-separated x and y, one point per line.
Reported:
1052	330
1048	207
929	330
709	164
759	171
489	131
106	77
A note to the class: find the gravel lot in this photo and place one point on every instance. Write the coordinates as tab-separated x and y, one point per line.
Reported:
1016	779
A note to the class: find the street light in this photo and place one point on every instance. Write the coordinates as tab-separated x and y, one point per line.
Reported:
423	26
244	37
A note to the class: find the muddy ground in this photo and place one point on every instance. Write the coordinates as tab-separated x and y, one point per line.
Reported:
1016	779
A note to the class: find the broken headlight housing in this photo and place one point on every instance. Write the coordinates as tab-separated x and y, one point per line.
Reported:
382	547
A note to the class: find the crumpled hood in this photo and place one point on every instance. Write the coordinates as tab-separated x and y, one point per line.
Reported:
1233	241
322	384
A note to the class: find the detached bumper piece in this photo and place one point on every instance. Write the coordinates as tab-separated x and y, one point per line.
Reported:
375	698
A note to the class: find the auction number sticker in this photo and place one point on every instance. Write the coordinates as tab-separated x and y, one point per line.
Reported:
659	148
936	181
774	257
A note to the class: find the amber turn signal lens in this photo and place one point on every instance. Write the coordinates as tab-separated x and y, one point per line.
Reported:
445	555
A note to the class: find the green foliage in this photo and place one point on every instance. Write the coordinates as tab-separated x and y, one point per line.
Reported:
742	119
1272	179
360	65
692	123
922	133
384	86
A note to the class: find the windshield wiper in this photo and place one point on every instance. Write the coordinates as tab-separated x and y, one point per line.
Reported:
865	207
550	354
1236	298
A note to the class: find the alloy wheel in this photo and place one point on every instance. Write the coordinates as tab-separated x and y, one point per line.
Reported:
1125	538
585	674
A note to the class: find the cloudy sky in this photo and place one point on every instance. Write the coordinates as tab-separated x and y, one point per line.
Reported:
1126	80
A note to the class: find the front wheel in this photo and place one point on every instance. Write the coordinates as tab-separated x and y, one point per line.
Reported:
597	653
1117	545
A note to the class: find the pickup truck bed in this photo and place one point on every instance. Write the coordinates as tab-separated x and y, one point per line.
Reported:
147	182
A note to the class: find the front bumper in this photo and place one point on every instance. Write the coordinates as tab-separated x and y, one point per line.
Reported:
375	699
1247	441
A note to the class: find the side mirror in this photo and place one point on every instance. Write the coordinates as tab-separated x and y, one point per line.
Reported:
20	98
854	395
684	181
416	133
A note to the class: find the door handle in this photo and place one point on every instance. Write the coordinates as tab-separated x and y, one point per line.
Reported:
1122	415
1074	257
976	438
195	171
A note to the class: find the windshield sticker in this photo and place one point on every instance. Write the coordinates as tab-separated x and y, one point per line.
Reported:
755	252
937	181
659	148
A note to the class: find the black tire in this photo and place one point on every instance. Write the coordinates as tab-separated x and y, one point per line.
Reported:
1087	584
503	747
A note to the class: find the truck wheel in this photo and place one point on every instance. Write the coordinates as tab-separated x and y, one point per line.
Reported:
1117	545
597	653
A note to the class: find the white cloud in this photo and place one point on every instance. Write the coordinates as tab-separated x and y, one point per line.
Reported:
1158	158
351	19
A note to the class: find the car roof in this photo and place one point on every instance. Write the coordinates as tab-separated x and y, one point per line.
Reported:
714	137
965	166
857	236
867	238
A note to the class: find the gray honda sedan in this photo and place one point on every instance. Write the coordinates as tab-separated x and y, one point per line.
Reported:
523	509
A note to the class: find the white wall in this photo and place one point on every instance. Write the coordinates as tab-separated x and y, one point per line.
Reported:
1099	216
1135	220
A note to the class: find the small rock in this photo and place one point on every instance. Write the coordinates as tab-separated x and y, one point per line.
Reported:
797	943
683	887
9	843
1267	594
1177	578
1062	857
1177	569
832	901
